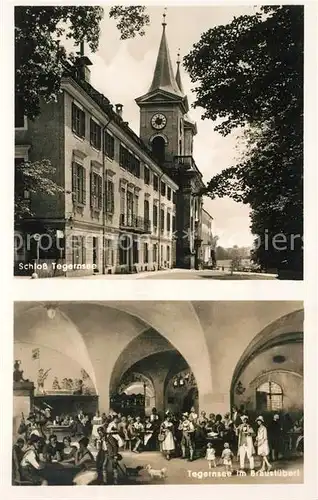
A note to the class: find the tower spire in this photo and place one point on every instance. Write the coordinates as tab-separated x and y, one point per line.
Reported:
178	74
163	78
164	24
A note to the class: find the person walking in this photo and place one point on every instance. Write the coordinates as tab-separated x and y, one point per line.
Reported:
166	437
245	434
262	443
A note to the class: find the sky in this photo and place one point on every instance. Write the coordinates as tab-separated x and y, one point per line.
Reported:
123	70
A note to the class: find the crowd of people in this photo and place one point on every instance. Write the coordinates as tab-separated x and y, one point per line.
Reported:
93	445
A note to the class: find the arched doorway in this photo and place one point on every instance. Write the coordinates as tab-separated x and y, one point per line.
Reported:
163	380
135	395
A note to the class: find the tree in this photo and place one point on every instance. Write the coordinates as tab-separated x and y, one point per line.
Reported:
249	74
33	178
40	55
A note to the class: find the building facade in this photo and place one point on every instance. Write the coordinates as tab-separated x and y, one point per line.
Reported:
128	203
208	242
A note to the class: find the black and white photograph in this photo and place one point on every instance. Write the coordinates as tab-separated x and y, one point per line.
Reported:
159	142
158	393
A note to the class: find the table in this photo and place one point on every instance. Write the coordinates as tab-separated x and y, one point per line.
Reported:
59	474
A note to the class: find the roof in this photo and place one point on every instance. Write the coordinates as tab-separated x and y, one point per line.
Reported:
178	78
163	78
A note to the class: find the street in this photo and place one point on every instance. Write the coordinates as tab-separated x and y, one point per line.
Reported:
184	274
175	274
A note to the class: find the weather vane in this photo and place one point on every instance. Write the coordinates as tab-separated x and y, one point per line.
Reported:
164	17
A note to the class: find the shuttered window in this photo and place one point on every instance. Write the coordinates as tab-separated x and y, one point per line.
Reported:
95	191
109	145
95	135
110	197
78	121
78	183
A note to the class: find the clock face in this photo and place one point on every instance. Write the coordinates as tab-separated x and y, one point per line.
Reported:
158	121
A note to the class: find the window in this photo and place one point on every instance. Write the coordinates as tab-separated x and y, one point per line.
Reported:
18	112
79	183
146	210
95	135
174	197
163	189
269	397
78	121
128	161
168	222
146	256
130	208
173	224
124	247
155	182
109	145
122	204
110	197
135	252
169	193
155	216
155	253
168	254
95	191
146	175
162	220
158	148
136	205
78	250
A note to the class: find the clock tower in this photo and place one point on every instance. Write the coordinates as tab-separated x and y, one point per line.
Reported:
168	132
163	109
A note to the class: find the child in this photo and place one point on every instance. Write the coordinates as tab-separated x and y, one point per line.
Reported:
210	455
227	456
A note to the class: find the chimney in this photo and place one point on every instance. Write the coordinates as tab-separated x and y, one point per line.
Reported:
119	110
82	62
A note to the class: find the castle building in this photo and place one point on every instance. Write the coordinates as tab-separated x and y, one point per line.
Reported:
129	203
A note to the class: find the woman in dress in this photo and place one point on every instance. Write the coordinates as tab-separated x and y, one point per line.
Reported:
262	443
97	421
148	432
167	442
68	452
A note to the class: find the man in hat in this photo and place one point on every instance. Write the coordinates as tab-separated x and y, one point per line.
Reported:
187	440
107	457
245	435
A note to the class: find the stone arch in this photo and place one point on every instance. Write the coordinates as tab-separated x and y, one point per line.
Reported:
153	360
178	323
61	335
287	330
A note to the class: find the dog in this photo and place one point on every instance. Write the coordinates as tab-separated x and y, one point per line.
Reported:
156	473
133	471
